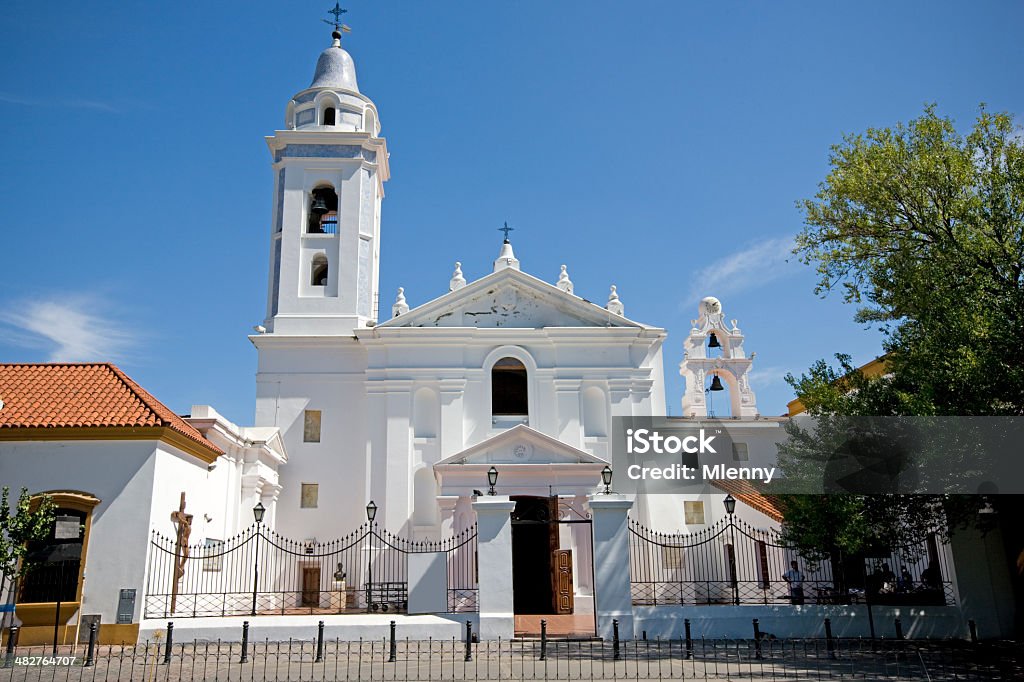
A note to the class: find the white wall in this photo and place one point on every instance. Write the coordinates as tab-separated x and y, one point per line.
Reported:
121	475
796	621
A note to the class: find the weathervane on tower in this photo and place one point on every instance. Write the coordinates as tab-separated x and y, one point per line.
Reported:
506	229
336	22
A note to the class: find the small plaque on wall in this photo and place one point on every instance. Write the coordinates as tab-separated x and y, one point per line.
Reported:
126	606
66	528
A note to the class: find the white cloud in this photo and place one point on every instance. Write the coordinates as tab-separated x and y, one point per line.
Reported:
760	377
68	330
743	270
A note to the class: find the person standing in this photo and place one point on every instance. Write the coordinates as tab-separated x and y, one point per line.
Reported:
795	579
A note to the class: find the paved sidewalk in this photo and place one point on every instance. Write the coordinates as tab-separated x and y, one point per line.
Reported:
527	660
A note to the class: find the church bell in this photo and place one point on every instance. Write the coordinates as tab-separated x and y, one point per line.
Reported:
716	384
319	206
713	342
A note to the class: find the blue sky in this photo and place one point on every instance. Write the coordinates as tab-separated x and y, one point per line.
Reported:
659	146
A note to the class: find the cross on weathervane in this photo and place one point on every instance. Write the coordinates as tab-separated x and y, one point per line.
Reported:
336	23
506	230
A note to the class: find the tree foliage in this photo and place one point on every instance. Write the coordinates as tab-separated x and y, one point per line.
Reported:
922	228
18	527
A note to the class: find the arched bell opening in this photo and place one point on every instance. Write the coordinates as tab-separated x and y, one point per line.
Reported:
323	211
318	271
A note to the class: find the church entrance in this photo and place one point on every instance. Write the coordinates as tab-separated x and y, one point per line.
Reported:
551	564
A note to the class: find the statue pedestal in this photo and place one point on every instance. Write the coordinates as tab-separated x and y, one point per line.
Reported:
339	595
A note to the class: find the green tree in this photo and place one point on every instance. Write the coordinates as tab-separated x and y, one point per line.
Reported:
18	527
922	228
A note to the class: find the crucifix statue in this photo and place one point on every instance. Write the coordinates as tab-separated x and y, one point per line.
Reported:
506	229
183	525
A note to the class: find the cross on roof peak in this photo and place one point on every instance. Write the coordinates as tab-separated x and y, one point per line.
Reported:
336	22
506	229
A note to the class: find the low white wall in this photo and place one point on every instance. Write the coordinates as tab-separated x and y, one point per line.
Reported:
352	627
714	622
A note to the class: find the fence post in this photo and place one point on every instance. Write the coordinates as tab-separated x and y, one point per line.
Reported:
899	628
543	639
320	642
170	641
12	638
469	640
689	641
91	651
830	645
974	630
757	640
615	639
393	647
245	642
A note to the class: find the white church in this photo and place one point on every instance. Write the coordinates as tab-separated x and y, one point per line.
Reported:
438	461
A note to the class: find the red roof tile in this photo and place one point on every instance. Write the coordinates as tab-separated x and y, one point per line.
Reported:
83	395
748	494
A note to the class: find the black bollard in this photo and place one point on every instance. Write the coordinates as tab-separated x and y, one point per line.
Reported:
615	639
757	640
689	641
170	642
899	629
245	642
12	640
90	653
469	640
974	631
393	646
543	639
319	642
830	645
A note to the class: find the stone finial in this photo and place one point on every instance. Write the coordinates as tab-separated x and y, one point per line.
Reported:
564	283
458	281
400	307
507	258
614	304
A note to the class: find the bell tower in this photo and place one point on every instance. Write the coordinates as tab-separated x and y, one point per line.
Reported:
713	358
330	165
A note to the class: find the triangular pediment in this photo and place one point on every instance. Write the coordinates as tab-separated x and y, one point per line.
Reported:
509	299
522	445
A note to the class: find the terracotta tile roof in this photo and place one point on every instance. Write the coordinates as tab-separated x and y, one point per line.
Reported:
748	494
83	395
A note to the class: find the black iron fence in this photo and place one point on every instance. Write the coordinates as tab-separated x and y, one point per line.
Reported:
732	562
260	571
455	659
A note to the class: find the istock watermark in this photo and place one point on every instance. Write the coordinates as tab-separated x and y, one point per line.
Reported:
833	454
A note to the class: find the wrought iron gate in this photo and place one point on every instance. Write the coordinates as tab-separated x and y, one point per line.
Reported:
260	571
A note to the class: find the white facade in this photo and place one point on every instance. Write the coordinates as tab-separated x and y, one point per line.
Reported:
404	402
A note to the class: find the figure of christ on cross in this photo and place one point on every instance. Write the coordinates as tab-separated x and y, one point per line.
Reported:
183	525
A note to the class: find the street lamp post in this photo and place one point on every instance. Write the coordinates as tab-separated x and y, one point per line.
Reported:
257	513
371	514
730	508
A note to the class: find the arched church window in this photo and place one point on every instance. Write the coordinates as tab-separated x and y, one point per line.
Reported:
509	392
329	116
318	271
323	211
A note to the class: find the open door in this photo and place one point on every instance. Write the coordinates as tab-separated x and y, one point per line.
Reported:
562	578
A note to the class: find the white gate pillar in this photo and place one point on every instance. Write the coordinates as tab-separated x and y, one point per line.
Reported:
494	557
612	596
